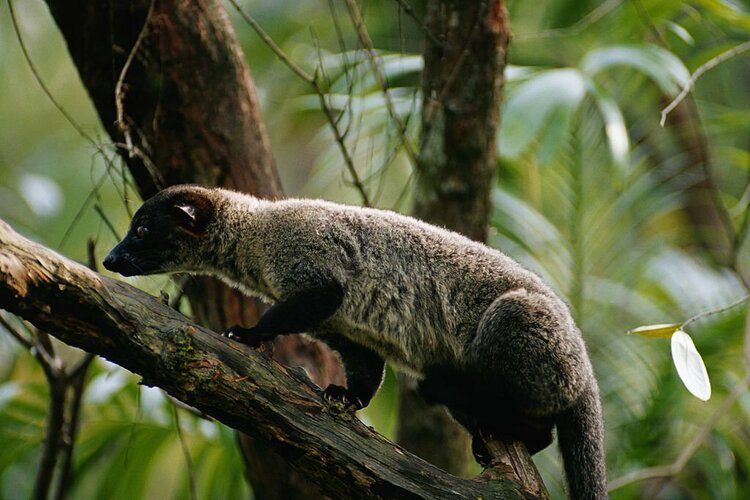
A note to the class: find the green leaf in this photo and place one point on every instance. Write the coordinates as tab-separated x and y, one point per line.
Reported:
659	64
556	93
690	366
658	331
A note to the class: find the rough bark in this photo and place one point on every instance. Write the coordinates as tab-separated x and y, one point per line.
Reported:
238	386
461	84
189	114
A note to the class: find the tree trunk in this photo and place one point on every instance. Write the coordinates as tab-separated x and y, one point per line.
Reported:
462	80
188	113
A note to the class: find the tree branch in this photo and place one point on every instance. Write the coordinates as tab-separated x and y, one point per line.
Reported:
238	386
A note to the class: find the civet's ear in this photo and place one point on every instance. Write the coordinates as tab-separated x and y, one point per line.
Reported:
193	212
190	211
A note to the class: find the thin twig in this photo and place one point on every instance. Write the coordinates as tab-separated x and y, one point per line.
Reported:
147	162
107	222
343	50
50	365
119	94
82	209
45	341
377	69
44	353
74	379
334	124
713	311
703	68
349	162
121	122
91	255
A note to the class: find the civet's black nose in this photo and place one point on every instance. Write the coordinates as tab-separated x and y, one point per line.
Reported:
110	262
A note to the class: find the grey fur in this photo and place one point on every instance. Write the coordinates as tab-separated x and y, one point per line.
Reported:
489	338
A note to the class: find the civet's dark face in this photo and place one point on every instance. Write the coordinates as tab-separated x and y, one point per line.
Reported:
162	233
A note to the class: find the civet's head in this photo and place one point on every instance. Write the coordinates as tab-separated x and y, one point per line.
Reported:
165	233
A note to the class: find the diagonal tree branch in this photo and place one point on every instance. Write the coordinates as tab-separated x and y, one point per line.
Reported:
238	386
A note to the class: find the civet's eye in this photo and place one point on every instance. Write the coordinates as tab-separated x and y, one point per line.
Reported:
141	232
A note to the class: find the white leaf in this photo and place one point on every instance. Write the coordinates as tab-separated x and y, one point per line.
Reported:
690	366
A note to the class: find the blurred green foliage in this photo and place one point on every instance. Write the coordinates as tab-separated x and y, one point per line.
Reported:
591	194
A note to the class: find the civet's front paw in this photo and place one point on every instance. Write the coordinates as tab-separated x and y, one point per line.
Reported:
342	396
